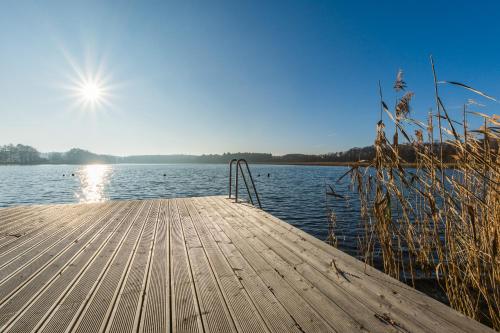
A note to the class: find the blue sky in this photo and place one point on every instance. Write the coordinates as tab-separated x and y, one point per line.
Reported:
218	76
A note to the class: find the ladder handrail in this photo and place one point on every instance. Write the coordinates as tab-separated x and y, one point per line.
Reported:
231	175
251	179
240	169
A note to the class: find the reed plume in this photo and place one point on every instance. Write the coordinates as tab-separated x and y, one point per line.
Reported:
440	219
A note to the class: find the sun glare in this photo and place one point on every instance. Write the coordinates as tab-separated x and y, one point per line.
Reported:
93	181
91	88
91	92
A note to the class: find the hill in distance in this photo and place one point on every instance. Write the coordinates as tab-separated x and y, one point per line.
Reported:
22	154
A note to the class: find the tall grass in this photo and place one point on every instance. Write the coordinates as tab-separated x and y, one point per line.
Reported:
432	220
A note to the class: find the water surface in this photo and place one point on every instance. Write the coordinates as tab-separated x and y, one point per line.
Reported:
295	194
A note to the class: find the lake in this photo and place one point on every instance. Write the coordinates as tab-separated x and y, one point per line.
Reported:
295	194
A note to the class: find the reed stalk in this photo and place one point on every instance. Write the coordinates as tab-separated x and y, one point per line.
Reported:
431	221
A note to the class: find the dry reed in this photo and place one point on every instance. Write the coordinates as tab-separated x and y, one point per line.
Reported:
433	221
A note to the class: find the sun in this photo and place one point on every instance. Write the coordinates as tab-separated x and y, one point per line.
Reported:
91	92
91	86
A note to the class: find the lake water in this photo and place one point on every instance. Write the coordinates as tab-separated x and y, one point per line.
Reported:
295	194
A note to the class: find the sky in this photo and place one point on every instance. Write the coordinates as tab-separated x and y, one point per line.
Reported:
198	77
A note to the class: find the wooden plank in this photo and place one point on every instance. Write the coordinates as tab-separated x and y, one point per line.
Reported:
234	276
16	215
370	285
59	254
16	258
193	265
9	209
66	310
421	308
53	218
127	309
155	316
215	314
29	230
245	311
20	231
34	218
245	259
25	265
347	280
29	290
94	315
186	315
345	298
19	228
337	308
52	293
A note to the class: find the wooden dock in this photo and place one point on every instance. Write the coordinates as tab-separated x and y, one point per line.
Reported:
193	265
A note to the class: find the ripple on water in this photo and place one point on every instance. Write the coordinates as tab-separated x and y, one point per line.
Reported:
293	193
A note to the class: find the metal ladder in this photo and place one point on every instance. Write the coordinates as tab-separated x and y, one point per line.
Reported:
240	169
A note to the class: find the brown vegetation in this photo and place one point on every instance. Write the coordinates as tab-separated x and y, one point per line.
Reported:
433	221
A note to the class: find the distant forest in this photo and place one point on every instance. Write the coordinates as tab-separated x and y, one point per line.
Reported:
22	154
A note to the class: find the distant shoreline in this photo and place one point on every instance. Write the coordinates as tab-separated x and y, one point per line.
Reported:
201	163
27	155
342	164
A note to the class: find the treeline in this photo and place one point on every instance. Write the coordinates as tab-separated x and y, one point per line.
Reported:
19	154
22	154
210	158
405	151
80	156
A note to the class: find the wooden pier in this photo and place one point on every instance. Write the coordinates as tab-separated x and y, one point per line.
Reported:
193	265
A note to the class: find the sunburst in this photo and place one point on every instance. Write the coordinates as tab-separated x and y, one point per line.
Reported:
91	92
89	87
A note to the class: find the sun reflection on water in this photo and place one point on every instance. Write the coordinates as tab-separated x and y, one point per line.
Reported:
93	180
